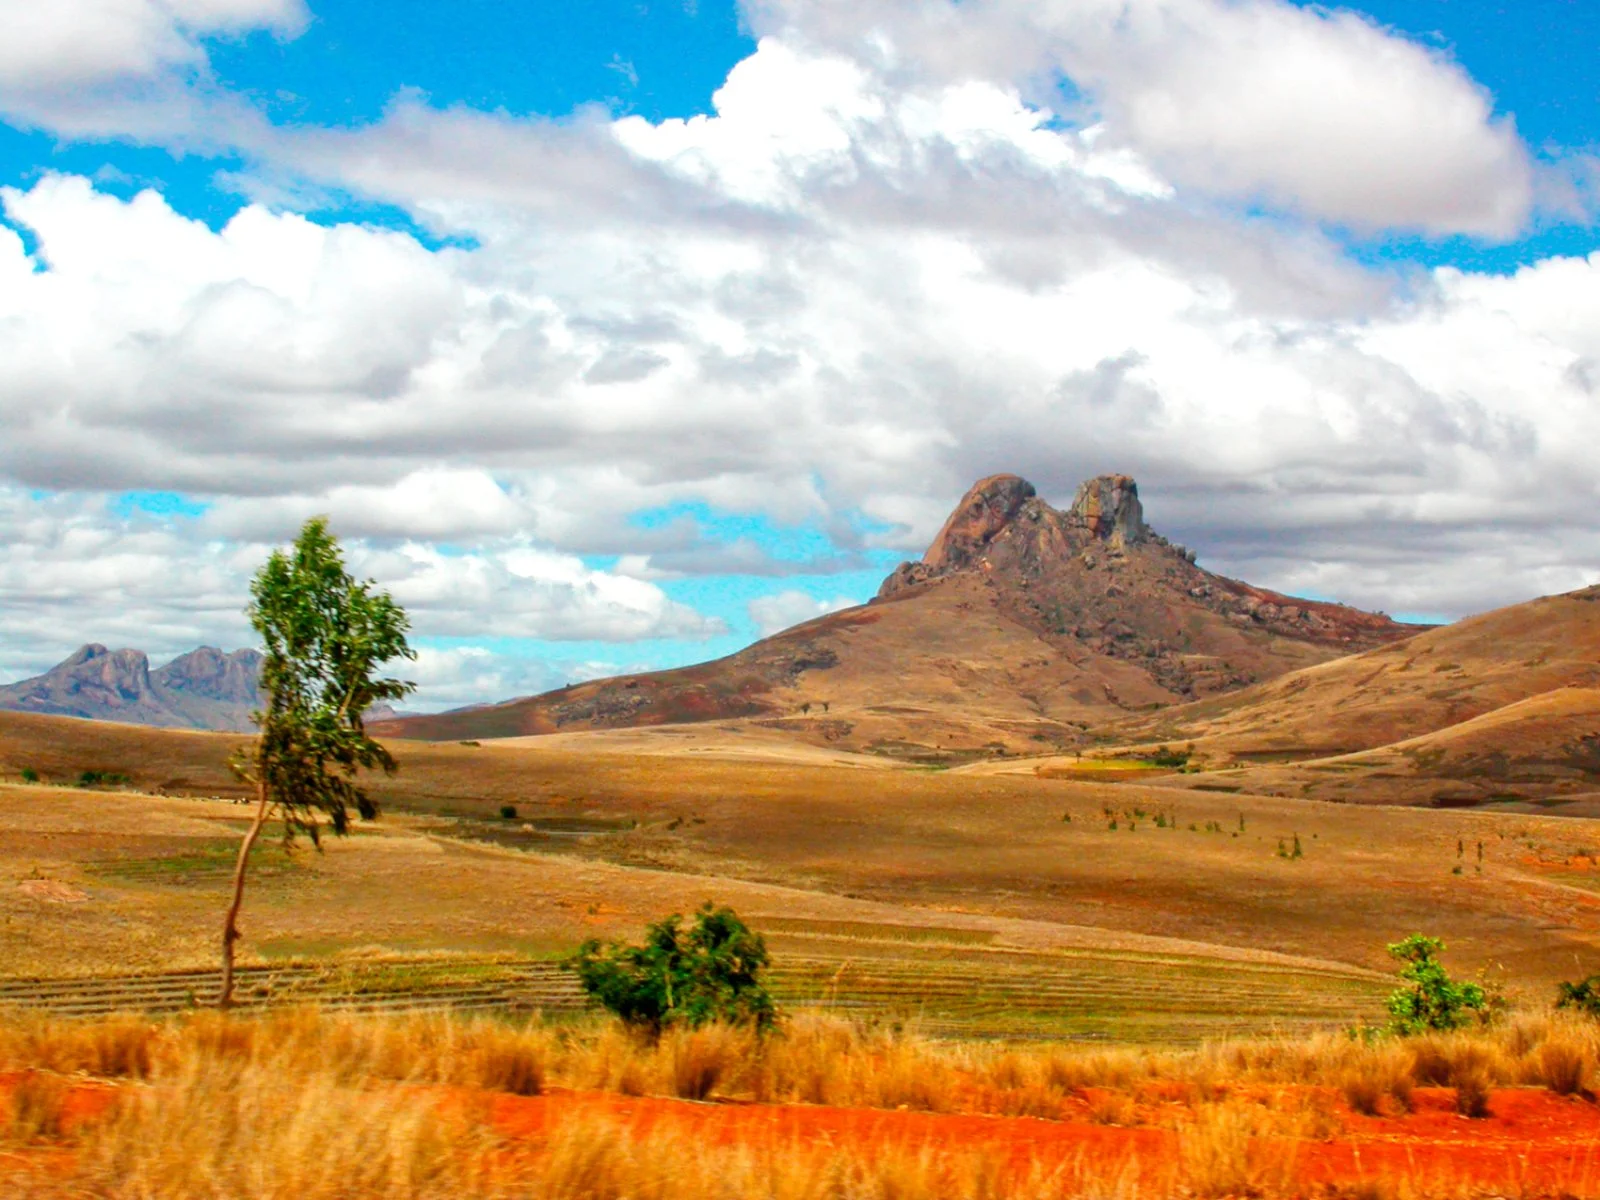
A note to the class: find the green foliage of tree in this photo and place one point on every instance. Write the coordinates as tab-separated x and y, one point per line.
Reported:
1432	1001
1165	756
325	637
710	971
1583	996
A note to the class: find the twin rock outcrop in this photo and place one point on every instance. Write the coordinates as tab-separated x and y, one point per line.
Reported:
204	689
1106	509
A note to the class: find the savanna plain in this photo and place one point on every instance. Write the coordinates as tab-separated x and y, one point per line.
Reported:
1092	981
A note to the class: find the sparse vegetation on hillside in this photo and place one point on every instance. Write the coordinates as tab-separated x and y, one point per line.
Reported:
1583	996
103	779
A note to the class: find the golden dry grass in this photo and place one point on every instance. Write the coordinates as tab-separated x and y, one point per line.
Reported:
813	1060
317	1107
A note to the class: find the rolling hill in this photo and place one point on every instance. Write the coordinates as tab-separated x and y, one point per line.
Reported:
1021	627
1499	707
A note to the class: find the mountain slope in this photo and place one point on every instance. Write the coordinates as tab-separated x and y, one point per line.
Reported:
1495	707
204	689
1021	626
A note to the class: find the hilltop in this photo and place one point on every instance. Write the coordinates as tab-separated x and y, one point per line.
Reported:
1019	628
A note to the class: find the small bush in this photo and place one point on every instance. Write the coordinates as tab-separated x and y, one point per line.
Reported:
508	811
1165	757
709	972
1584	996
29	775
1433	1001
91	779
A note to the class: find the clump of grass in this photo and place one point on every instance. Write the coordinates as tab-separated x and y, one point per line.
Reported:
38	1106
254	1132
111	1047
1363	1091
1112	1107
1221	1152
507	1060
699	1059
1563	1066
1377	1080
1472	1092
606	1160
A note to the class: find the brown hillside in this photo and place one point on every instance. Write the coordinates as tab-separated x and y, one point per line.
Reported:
1498	707
1021	626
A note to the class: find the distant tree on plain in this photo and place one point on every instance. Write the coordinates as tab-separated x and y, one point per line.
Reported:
326	635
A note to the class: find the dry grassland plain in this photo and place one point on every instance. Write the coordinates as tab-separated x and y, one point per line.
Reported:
844	867
941	939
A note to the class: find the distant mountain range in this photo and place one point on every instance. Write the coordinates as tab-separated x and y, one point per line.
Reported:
204	689
1020	628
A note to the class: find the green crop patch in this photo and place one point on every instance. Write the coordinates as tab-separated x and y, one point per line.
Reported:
208	862
872	931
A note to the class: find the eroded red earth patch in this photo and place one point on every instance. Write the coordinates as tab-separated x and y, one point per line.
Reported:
1532	1143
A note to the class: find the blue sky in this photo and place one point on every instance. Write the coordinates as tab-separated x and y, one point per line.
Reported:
609	378
666	59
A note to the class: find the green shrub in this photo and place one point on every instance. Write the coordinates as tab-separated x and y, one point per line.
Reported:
29	775
91	779
1584	996
708	972
508	811
1433	1001
1165	757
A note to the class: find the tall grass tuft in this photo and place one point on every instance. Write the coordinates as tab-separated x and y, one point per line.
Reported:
37	1109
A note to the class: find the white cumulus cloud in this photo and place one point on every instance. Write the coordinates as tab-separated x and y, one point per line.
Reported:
883	267
784	609
1322	111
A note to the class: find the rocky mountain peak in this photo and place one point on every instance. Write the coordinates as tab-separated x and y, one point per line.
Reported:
208	672
1108	506
988	507
1002	529
85	653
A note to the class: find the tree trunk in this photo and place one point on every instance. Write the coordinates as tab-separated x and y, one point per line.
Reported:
230	925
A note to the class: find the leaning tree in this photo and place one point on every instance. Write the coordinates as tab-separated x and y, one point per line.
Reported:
326	637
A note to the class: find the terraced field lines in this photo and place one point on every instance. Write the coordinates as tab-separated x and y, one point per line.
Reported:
1040	998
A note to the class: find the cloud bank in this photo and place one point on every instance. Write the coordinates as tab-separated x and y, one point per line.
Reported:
914	244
